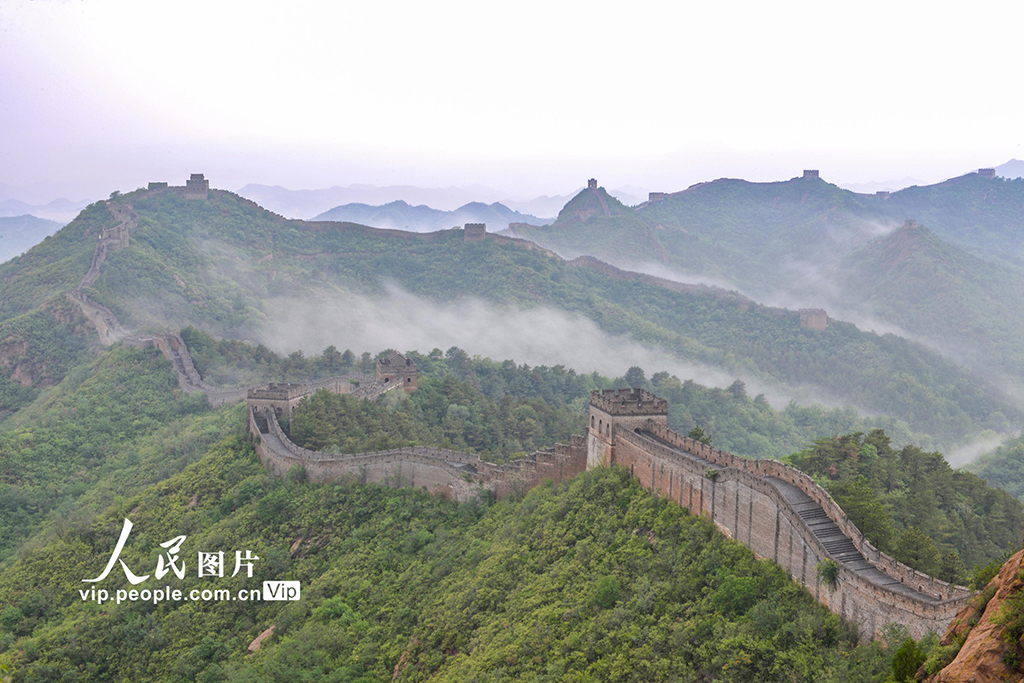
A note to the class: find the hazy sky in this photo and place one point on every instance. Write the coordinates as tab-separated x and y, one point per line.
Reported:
529	97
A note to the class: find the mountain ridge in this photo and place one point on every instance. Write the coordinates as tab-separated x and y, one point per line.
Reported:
422	218
218	263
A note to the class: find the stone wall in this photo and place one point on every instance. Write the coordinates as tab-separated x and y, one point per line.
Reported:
452	474
747	500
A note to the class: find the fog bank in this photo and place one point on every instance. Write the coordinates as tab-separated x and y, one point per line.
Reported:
537	336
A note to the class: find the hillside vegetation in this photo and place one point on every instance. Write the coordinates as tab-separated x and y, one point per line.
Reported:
973	309
745	425
811	243
220	264
913	505
19	233
596	580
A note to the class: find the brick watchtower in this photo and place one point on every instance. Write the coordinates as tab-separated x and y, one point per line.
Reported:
197	187
619	409
813	318
396	368
592	184
474	232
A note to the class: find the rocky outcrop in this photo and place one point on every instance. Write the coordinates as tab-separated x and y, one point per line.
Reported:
985	652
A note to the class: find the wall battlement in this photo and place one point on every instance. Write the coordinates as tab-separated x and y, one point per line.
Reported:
474	232
628	402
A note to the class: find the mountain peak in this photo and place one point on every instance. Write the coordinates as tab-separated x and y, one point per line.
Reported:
591	202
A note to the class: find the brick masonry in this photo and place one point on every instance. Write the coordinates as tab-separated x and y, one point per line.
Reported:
781	514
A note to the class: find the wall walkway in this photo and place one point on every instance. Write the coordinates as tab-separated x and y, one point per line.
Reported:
781	514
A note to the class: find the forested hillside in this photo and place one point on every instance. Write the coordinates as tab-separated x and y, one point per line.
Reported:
951	278
760	235
19	233
223	265
748	426
400	585
397	585
912	504
972	309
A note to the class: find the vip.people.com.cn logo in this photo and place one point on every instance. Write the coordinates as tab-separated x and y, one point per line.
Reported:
208	565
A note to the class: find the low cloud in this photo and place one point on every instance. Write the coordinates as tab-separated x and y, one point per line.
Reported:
959	457
536	336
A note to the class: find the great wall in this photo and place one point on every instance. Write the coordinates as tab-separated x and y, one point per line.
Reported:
777	511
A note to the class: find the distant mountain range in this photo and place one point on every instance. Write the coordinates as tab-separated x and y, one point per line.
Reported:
232	269
306	204
883	185
60	210
1014	168
401	216
806	242
18	234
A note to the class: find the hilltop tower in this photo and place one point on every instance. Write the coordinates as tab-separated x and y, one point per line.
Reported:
115	238
810	174
987	172
397	368
619	409
197	187
813	318
592	184
474	232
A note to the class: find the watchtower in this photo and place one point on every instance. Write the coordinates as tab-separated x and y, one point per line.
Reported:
656	196
619	409
115	238
592	184
281	396
987	172
813	318
197	187
810	174
397	368
474	232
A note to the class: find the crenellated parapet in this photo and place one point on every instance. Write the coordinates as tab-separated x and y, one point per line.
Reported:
628	402
452	474
781	514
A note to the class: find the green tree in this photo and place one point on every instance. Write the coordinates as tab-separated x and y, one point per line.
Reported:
860	502
607	591
918	550
828	574
635	377
698	434
906	661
